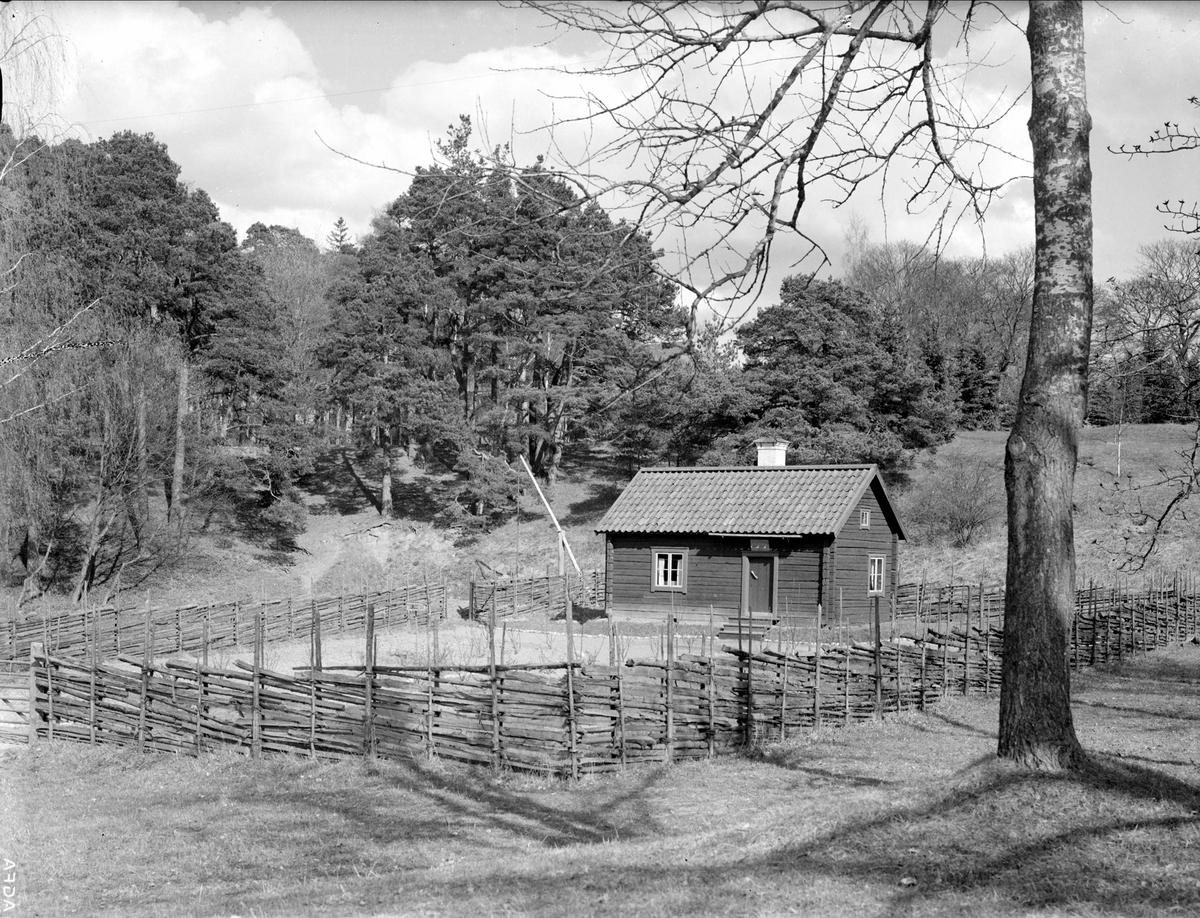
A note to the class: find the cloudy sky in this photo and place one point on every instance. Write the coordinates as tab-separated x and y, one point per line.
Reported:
243	93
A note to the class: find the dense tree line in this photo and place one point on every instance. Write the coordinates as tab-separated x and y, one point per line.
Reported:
488	316
161	378
148	392
1146	354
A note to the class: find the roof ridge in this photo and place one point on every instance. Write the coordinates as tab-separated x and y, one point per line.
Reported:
758	468
805	499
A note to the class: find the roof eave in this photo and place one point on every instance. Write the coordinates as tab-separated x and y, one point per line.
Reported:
766	535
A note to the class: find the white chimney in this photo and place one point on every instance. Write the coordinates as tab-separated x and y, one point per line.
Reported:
771	453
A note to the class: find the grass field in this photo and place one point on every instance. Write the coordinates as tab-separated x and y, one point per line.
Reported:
912	816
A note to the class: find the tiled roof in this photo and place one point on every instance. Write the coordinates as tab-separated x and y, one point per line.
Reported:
788	500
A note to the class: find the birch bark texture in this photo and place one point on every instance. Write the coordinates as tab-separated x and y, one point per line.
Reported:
1036	728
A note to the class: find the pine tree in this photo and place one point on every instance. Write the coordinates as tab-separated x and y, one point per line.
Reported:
338	239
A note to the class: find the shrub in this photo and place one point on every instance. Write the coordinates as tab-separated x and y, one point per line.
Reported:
956	500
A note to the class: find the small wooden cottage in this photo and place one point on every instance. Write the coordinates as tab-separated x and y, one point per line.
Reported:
761	544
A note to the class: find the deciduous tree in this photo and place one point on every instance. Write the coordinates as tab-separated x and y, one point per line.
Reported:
859	91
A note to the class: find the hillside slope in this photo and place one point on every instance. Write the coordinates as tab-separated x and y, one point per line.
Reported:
1108	532
347	546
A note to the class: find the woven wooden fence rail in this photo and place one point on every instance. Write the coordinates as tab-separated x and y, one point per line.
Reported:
111	632
534	596
14	701
562	718
935	605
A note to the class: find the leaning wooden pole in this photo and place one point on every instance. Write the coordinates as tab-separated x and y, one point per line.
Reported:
569	618
554	519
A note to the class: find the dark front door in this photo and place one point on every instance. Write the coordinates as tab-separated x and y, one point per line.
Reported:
760	587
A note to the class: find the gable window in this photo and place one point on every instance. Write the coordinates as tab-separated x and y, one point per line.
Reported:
864	519
670	570
876	578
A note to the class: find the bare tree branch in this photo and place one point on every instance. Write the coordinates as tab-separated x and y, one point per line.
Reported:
50	344
715	140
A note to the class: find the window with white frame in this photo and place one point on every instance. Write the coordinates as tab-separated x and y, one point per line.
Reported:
864	519
876	578
670	570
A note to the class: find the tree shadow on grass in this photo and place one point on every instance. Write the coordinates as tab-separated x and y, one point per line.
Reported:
950	846
1139	712
988	837
443	803
333	479
594	506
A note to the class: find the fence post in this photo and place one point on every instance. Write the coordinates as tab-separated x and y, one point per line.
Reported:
1120	635
428	694
316	636
255	722
495	687
712	702
846	650
145	683
987	657
783	702
369	684
1157	619
670	674
1108	632
967	655
878	664
36	650
571	725
1178	613
312	685
921	689
816	676
200	690
967	645
92	658
1074	640
621	714
946	653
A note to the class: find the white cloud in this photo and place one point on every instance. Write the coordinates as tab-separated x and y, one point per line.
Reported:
240	103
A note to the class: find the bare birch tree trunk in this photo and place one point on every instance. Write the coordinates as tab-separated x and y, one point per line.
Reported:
1036	727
